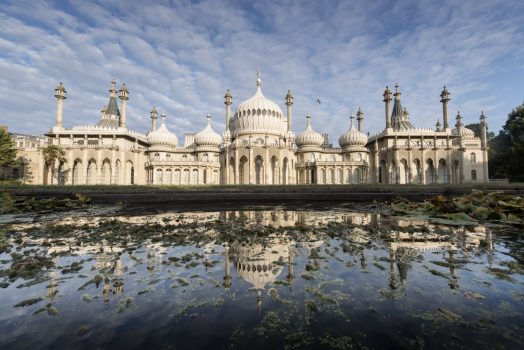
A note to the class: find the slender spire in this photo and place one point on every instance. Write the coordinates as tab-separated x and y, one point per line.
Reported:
113	88
360	117
387	101
444	98
482	117
351	118
289	104
459	120
228	101
208	119
397	92
308	119
60	94
154	117
163	115
259	80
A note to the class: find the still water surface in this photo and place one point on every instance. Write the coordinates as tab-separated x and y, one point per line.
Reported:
235	279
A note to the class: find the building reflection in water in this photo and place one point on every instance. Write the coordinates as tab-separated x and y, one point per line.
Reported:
405	246
263	264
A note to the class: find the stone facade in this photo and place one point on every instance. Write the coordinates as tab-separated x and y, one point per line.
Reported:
259	147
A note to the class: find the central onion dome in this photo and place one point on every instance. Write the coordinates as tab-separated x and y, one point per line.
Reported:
260	265
259	115
353	137
309	137
208	137
162	136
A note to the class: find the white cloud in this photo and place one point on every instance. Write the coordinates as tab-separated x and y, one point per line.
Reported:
182	56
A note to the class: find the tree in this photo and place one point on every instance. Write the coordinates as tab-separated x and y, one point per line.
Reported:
7	150
475	127
506	149
51	154
514	150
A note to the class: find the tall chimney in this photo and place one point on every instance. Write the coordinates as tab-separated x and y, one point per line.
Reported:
60	94
289	104
444	98
387	100
123	96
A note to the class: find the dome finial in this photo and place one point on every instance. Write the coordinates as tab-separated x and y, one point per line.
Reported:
113	87
308	119
208	119
163	115
351	118
259	81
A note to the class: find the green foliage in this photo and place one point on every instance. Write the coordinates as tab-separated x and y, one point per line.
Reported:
475	127
7	150
52	153
507	148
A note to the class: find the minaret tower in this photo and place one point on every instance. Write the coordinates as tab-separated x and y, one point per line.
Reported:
289	104
154	117
60	94
444	98
228	101
123	96
360	118
484	145
387	101
459	126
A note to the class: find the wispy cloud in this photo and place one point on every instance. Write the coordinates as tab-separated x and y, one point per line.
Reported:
181	56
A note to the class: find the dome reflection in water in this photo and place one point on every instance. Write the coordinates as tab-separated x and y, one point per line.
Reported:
305	278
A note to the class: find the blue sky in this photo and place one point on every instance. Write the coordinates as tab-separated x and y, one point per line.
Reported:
182	55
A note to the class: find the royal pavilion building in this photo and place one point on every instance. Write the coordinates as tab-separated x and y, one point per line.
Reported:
259	146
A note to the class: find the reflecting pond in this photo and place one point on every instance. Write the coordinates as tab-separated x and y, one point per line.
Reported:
339	278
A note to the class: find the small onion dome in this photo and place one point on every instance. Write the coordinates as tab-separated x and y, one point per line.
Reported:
162	136
124	88
208	136
467	134
309	137
353	137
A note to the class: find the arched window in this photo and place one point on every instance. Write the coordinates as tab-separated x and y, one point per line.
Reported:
473	175
159	176
157	156
473	158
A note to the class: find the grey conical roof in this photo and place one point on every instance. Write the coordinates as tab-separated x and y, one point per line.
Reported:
112	107
399	118
111	117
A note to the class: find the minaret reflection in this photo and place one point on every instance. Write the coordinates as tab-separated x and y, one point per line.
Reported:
290	277
52	287
227	277
453	280
118	285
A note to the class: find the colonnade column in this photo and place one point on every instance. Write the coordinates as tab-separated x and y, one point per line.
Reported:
70	166
237	169
484	146
422	166
410	164
99	164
